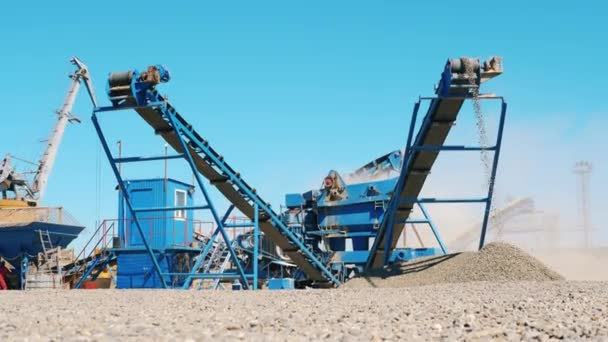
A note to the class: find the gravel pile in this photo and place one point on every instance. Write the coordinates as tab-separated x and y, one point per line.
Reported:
496	262
473	311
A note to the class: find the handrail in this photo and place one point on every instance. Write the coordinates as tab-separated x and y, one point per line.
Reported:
92	251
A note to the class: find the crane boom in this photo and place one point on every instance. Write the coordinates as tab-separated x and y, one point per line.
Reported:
64	116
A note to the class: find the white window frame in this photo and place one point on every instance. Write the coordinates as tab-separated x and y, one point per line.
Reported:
181	214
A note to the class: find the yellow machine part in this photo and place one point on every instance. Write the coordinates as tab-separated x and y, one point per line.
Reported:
105	274
11	203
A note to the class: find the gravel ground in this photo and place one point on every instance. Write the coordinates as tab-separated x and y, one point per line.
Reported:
497	261
472	311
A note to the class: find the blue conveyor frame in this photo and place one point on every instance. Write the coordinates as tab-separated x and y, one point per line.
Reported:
206	162
441	115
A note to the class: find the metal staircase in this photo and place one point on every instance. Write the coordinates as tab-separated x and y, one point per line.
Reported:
91	264
217	263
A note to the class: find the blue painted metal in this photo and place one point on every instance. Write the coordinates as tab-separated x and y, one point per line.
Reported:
405	254
453	148
388	162
247	192
281	284
294	200
237	225
443	200
143	210
410	133
256	245
140	93
18	240
141	159
433	228
126	197
353	212
216	276
105	261
24	270
393	204
397	254
203	256
135	270
138	84
170	116
455	87
154	201
255	252
390	224
96	261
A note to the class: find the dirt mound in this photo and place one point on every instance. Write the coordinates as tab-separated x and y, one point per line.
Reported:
495	262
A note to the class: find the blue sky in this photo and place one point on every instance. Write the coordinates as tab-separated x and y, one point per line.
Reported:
287	91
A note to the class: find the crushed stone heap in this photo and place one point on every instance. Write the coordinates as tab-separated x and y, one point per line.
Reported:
496	262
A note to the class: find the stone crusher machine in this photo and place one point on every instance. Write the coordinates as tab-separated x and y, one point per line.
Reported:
312	233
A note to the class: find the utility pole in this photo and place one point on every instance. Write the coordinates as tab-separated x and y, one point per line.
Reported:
582	170
166	166
119	144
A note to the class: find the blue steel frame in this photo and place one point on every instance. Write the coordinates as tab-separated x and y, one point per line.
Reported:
169	115
145	96
419	201
100	262
199	262
236	179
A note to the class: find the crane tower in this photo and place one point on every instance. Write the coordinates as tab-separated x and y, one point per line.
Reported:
582	170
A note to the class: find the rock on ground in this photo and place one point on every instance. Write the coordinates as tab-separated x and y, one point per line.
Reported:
495	262
471	311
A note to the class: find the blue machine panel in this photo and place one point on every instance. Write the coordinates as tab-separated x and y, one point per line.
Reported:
360	212
294	200
280	284
135	270
162	228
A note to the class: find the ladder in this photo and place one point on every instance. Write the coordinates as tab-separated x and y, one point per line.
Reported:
47	244
43	276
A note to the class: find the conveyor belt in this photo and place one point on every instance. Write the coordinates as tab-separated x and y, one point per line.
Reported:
439	119
211	165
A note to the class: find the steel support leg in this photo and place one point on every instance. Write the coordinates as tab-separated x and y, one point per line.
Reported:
486	214
410	135
24	270
126	196
256	238
87	273
433	228
387	230
206	250
216	217
388	233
